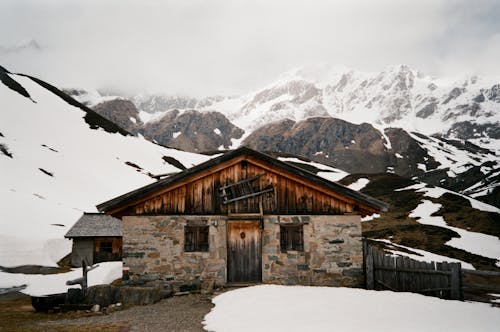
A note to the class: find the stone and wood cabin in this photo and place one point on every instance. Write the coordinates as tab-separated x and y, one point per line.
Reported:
243	217
96	238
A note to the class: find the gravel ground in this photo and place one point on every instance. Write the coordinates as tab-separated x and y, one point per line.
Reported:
178	313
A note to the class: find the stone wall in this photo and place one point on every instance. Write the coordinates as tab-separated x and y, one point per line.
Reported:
153	249
332	255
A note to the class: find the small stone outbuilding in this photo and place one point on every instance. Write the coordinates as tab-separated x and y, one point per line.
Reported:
244	217
97	237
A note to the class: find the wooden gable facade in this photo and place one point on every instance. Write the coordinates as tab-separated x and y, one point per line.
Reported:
268	186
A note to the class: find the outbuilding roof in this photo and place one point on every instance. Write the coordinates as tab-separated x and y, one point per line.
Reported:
94	225
162	183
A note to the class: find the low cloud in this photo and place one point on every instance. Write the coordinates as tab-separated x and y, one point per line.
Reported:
229	47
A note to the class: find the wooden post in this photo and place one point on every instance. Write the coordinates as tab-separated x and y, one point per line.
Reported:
370	281
455	281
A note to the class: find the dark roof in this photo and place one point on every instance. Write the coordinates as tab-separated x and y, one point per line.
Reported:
95	224
338	188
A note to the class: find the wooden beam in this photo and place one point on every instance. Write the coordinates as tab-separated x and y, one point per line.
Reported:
248	196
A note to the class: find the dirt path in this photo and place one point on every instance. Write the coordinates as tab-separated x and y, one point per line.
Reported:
179	313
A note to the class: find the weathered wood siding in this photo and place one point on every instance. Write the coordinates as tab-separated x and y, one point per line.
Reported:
200	195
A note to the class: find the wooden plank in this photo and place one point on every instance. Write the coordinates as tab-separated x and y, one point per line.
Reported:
409	269
438	282
248	196
290	189
406	276
370	273
455	281
399	277
242	182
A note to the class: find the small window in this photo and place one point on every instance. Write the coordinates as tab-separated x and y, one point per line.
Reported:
106	247
291	237
195	238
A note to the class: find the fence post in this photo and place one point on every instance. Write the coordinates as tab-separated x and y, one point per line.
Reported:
370	282
455	281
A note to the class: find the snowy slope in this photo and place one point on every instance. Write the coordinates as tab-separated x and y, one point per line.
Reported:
59	167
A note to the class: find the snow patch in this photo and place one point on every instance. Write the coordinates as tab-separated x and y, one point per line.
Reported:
217	131
371	217
301	308
176	134
422	167
422	255
473	242
359	184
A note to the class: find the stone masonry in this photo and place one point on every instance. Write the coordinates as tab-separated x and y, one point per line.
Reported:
332	256
153	249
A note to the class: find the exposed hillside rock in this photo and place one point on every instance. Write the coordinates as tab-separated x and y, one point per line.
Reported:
192	131
456	165
332	141
122	112
407	154
471	130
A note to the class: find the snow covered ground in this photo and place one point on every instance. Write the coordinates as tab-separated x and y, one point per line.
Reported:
59	168
40	285
300	308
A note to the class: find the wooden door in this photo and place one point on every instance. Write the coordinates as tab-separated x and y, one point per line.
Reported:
244	260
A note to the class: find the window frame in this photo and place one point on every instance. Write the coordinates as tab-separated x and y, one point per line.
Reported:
106	247
291	237
196	238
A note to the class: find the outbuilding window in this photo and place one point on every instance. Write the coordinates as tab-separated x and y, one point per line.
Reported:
291	237
195	238
106	247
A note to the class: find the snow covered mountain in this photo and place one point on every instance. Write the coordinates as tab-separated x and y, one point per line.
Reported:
58	159
463	107
396	97
300	112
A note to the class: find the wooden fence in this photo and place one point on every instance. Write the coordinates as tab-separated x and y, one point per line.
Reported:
403	274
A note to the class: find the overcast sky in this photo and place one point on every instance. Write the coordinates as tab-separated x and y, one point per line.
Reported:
229	47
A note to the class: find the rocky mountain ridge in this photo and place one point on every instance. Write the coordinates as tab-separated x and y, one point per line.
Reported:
449	132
